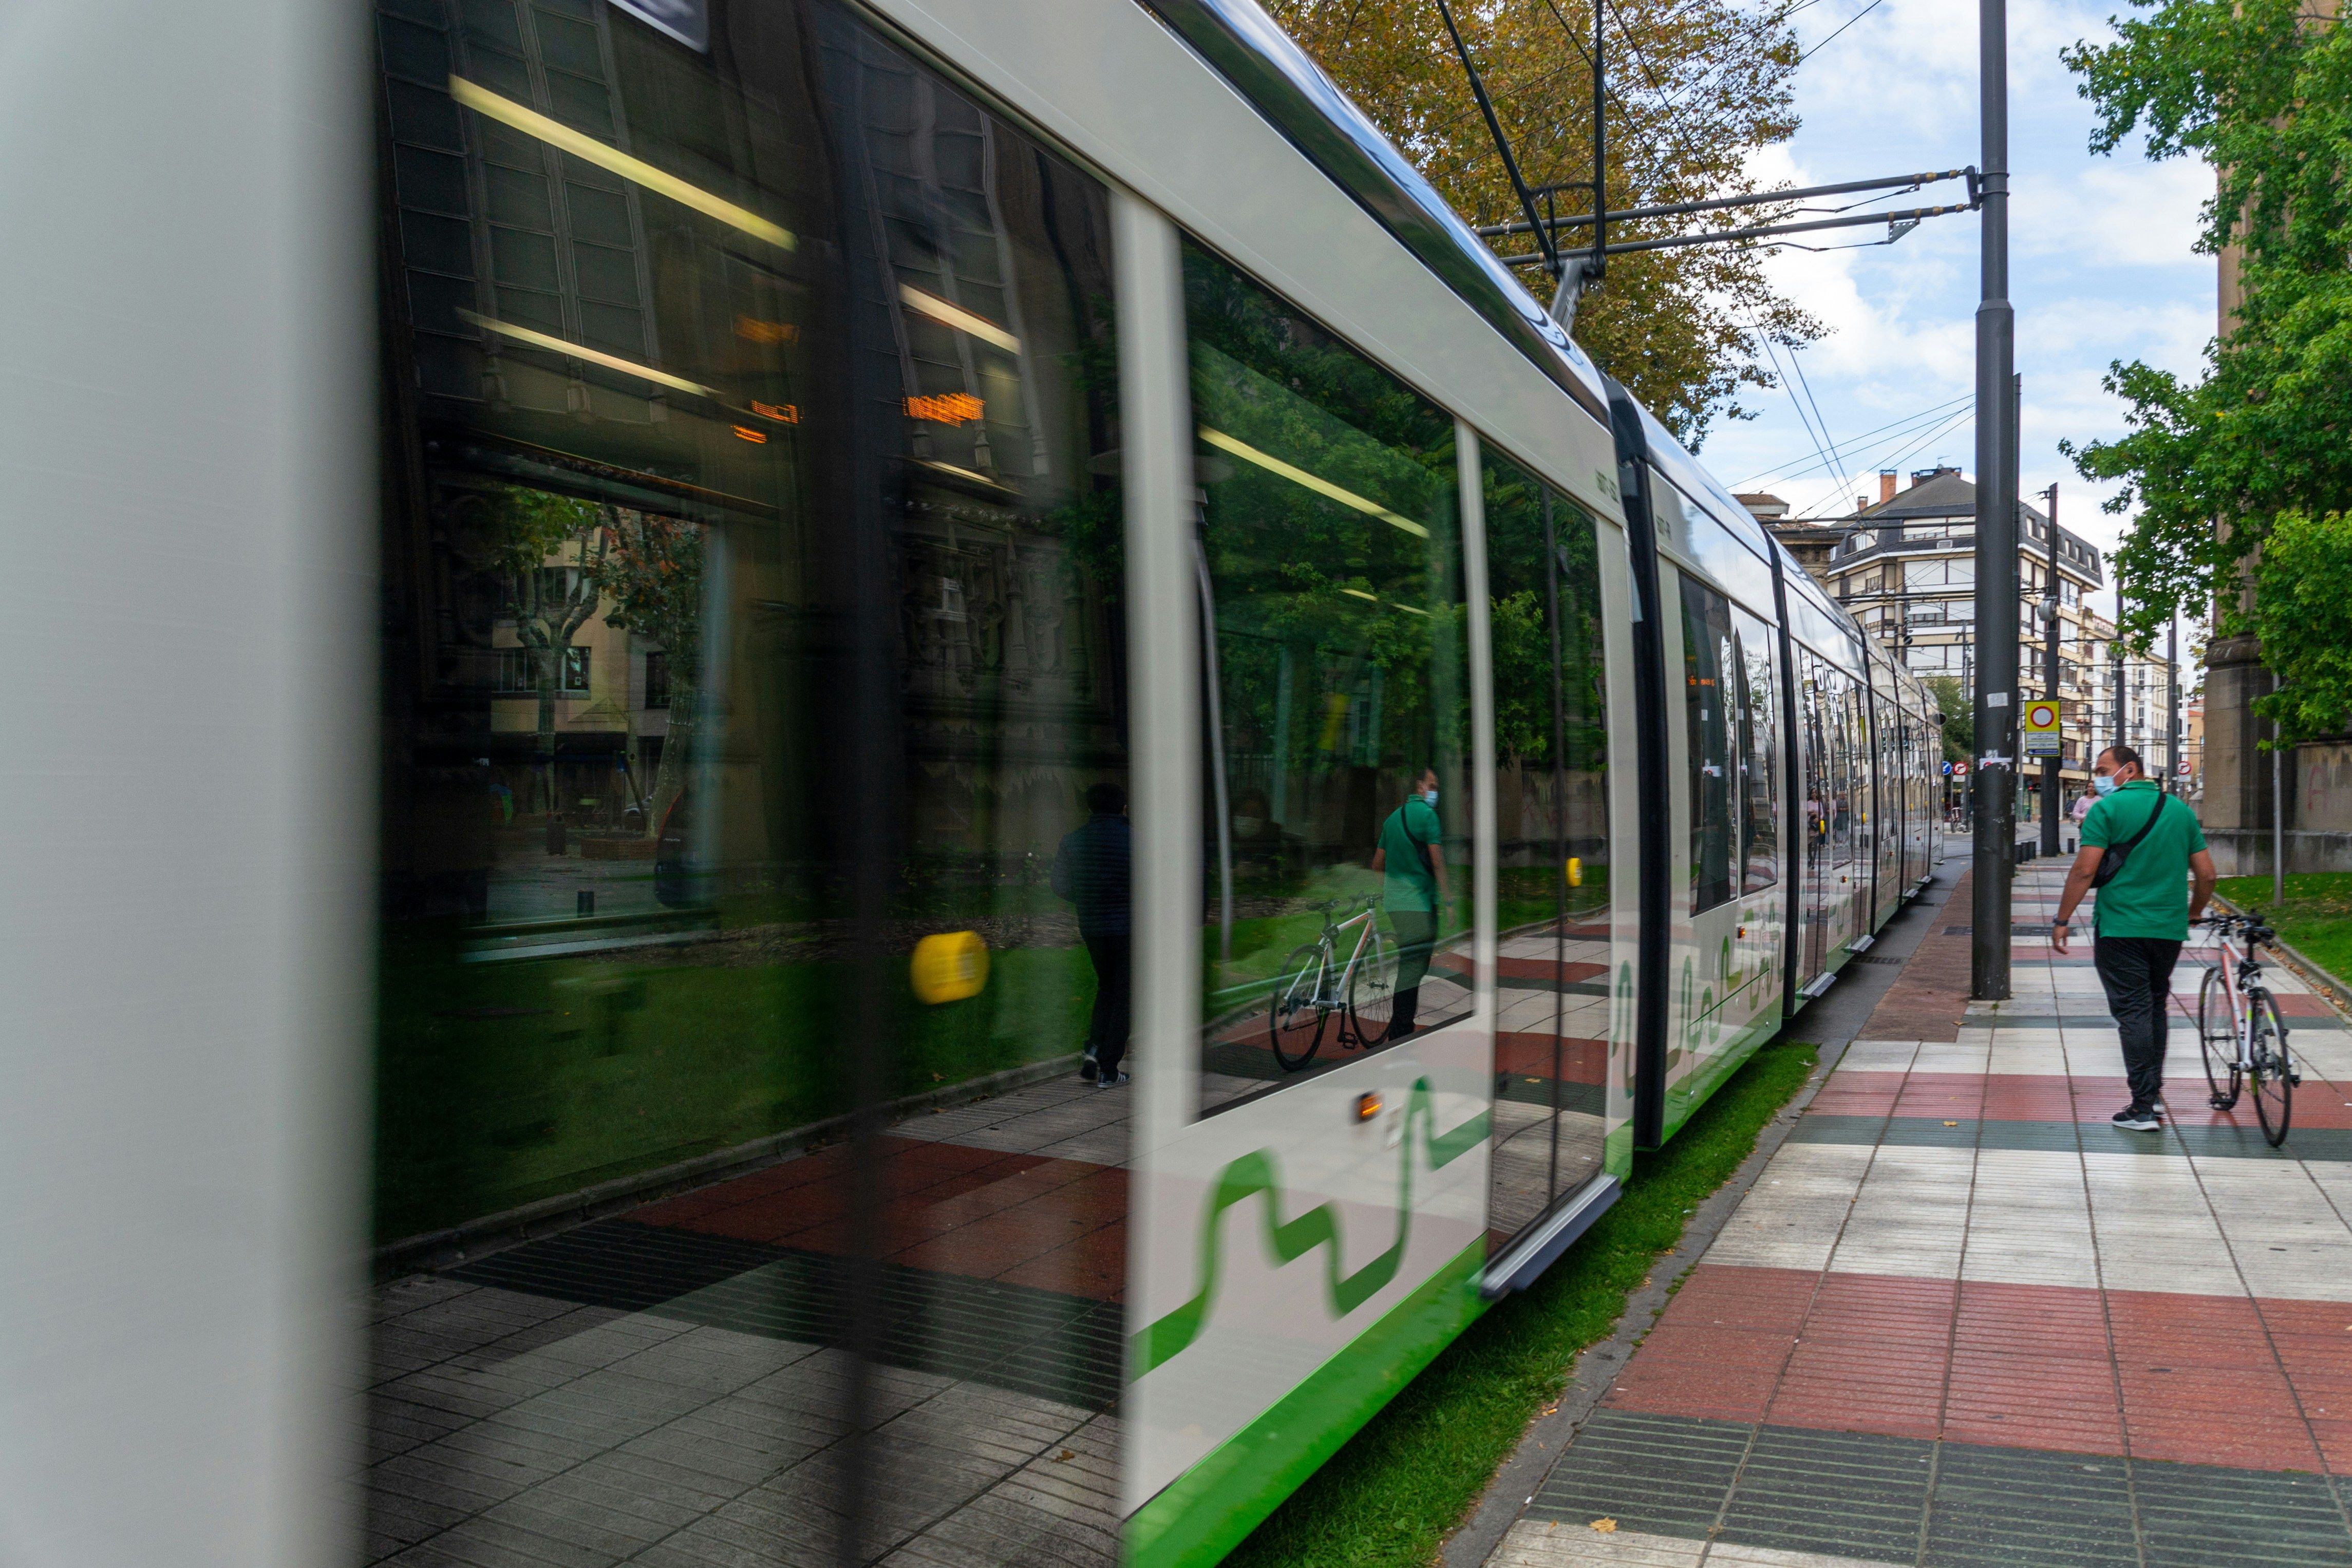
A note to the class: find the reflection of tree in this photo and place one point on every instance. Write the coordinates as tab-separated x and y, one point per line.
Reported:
646	570
650	572
550	602
1305	582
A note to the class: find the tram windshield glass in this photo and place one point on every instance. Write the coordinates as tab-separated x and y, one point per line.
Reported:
754	851
1336	695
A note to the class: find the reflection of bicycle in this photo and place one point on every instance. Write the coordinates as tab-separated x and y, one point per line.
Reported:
1312	985
2240	1032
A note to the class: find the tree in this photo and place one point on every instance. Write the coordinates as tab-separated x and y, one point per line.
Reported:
650	572
1696	87
1960	716
2261	445
551	602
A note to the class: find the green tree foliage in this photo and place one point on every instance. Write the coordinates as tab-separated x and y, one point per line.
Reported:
2261	89
1697	86
2303	616
1960	716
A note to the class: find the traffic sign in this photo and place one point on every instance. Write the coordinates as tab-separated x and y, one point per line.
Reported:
1948	771
2040	730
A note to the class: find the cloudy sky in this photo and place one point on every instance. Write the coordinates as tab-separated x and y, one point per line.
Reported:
2100	268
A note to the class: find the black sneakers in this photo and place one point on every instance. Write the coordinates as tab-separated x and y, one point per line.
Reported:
1112	1081
1088	1067
2133	1119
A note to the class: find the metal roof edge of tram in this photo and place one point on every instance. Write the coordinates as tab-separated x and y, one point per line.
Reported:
1269	69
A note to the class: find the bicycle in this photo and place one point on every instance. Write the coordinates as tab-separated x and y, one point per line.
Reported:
1364	991
2239	1033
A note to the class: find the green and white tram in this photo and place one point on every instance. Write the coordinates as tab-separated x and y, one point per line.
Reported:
677	602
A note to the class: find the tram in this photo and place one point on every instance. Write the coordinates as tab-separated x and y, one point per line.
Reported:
644	616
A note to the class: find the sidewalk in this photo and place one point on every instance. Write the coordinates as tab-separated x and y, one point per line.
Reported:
1962	1321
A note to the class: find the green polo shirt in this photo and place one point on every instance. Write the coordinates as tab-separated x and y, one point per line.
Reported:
2149	897
1411	828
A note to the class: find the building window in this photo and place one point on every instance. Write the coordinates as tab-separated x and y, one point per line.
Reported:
656	679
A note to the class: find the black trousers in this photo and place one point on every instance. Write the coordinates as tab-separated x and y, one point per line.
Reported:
1416	935
1114	960
2138	974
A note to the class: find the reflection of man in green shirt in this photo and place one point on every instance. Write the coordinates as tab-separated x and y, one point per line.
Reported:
1412	858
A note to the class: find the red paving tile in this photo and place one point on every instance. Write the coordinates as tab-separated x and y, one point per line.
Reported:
1530	1054
2188	1378
1945	1094
1094	1265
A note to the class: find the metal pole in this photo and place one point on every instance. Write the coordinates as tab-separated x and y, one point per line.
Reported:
2116	659
2173	707
2050	786
2278	813
1996	597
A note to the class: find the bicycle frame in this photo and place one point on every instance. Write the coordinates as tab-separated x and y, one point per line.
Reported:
1355	956
2242	976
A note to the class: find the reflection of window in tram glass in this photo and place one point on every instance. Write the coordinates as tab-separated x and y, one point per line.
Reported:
1332	562
1708	660
1757	686
774	363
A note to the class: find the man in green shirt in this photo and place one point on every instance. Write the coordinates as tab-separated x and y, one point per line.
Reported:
2143	914
1412	857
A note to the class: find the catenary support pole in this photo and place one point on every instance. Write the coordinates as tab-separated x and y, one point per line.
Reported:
2278	813
2116	657
1996	598
2051	598
2172	708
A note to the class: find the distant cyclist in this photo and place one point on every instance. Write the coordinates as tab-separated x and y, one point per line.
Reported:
1412	858
2147	843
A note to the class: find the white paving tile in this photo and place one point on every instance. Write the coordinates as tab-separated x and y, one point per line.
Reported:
2030	1223
1792	1217
1910	1215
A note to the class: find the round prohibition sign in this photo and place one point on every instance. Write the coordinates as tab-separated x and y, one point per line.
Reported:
2041	716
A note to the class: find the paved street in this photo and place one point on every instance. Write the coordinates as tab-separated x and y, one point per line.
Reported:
1961	1320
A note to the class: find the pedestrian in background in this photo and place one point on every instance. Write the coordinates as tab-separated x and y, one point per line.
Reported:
1094	869
2140	847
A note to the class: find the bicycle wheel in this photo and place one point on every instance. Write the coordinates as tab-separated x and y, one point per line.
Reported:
1295	1016
1372	991
2271	1072
2217	1039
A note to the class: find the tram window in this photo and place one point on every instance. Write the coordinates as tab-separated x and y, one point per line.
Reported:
1709	664
1337	682
1757	688
783	373
1551	806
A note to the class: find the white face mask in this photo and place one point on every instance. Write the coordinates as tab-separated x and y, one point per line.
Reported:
1248	827
2105	783
1430	796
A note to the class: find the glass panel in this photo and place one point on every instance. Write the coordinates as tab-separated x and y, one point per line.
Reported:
1709	659
1817	707
1759	677
754	737
1337	854
1551	803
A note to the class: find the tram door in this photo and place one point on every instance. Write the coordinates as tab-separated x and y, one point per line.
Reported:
1551	794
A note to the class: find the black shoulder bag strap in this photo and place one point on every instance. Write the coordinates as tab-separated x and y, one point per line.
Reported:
2112	861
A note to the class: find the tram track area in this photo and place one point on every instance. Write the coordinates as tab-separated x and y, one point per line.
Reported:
1832	1023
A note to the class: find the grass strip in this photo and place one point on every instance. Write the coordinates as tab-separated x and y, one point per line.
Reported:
2316	919
1415	1470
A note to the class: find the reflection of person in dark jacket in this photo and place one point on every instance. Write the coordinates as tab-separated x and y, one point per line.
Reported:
1095	870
